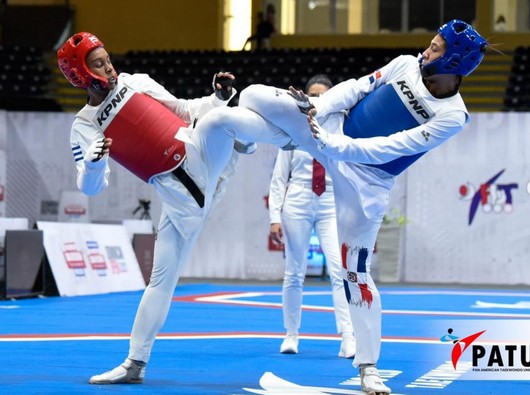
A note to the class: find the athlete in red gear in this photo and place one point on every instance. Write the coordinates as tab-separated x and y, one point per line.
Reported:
136	121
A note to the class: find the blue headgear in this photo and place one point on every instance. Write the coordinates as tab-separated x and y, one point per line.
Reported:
464	50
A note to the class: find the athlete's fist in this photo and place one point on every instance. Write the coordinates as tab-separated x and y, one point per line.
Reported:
222	84
98	149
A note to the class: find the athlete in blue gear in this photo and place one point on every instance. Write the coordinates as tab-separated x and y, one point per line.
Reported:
396	114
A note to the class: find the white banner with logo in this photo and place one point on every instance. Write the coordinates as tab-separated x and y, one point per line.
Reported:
485	349
91	259
468	206
466	202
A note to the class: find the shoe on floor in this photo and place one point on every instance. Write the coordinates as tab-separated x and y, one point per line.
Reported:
290	344
129	372
371	382
347	347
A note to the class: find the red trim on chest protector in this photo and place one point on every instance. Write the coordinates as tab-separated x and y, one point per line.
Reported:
143	134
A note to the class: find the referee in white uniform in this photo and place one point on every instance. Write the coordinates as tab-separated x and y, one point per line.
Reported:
295	209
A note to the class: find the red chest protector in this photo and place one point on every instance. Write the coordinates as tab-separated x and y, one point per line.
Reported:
142	131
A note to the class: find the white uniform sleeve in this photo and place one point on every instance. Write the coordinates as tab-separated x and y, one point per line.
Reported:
378	150
278	185
92	177
187	110
347	94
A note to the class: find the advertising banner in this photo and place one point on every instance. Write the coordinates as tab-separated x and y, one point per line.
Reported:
468	205
89	259
73	207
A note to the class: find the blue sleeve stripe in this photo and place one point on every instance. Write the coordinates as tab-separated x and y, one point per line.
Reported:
78	153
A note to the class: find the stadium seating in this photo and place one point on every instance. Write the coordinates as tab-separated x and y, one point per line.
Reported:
27	82
24	80
188	74
517	97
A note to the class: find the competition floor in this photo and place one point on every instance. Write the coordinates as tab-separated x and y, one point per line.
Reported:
224	339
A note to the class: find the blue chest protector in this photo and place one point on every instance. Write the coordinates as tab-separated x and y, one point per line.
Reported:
391	108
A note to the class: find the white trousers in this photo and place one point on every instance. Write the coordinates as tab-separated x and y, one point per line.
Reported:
303	210
210	155
210	160
361	197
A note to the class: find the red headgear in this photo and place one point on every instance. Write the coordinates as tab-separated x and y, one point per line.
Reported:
72	61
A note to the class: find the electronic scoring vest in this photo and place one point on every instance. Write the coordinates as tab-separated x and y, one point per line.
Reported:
391	108
143	132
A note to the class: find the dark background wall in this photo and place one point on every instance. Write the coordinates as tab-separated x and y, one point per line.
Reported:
122	25
190	25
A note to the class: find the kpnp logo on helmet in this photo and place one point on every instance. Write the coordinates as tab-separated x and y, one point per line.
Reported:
94	40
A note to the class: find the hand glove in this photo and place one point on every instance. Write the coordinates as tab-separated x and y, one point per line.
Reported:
95	151
302	101
225	80
319	133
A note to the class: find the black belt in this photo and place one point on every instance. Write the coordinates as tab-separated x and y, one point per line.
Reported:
190	185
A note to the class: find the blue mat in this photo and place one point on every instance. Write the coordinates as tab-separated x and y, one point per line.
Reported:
222	339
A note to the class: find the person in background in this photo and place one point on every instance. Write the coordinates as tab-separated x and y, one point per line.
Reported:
264	30
500	24
395	115
165	142
300	199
